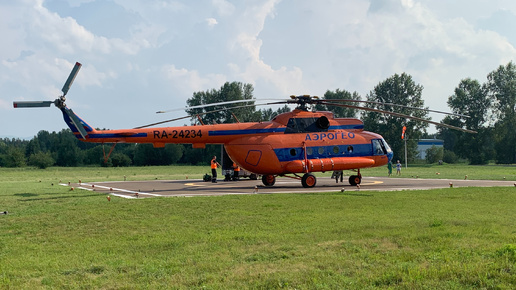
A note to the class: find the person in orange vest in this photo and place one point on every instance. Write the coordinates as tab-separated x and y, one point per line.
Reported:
214	165
236	171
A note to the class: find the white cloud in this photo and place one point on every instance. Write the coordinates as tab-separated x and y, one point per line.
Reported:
224	8
211	22
5	105
190	81
66	36
174	48
247	47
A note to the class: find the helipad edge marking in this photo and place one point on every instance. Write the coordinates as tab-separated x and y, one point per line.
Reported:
126	190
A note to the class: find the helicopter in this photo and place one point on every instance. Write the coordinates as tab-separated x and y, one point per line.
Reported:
295	144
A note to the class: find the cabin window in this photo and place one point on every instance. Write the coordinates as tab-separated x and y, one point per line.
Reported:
309	151
320	150
293	152
350	149
336	149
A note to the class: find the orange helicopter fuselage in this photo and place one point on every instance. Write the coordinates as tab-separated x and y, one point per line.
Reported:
294	142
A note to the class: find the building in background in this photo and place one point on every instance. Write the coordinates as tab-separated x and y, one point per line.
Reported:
425	144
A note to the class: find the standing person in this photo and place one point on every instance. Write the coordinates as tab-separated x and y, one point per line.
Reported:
236	171
389	167
398	168
214	165
338	174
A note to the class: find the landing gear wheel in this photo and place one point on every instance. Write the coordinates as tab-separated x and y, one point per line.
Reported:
268	180
308	180
355	179
253	176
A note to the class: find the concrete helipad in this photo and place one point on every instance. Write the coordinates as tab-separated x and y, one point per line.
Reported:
154	188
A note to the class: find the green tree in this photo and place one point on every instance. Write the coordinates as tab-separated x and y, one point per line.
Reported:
67	151
449	156
501	86
398	89
470	99
268	114
47	141
3	148
218	114
32	147
14	157
41	160
434	154
146	154
340	112
450	137
120	160
173	153
197	156
94	156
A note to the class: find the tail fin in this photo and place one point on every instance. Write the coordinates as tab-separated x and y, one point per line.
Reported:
78	126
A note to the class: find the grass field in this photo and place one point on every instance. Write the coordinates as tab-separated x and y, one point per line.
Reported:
449	238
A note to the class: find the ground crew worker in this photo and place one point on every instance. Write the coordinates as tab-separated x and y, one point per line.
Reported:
236	171
214	165
338	174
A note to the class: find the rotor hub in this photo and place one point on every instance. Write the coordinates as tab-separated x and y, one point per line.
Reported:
60	102
304	101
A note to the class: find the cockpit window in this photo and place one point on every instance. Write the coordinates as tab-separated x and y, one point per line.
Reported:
378	147
386	146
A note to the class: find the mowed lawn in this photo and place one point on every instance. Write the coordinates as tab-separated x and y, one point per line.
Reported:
53	237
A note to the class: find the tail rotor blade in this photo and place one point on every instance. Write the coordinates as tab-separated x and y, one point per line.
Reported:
32	104
71	78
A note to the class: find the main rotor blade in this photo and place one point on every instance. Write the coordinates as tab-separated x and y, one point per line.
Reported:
209	112
214	104
394	105
71	78
32	104
405	116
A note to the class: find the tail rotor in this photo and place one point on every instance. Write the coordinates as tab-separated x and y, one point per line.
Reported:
59	102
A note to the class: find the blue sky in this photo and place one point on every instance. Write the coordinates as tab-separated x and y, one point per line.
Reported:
143	56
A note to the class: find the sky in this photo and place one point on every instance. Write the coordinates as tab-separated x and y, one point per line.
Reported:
140	56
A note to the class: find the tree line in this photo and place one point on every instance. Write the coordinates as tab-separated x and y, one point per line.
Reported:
490	106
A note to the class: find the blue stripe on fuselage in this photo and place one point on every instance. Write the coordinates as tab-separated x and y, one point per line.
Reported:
114	135
245	131
359	150
347	127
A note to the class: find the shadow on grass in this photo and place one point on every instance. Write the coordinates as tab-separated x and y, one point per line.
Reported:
63	197
339	193
26	194
354	194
